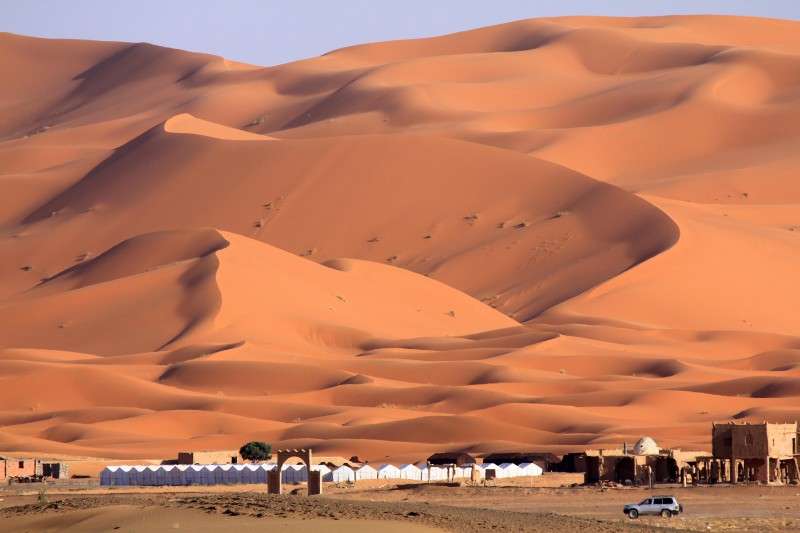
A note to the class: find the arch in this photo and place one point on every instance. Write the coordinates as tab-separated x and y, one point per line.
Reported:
274	475
625	469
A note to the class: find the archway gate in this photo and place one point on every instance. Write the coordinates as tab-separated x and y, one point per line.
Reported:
314	476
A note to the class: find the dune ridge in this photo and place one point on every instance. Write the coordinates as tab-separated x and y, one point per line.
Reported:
551	233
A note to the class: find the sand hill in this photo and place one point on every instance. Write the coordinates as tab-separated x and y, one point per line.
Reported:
552	233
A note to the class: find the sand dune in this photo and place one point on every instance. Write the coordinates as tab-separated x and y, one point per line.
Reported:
538	234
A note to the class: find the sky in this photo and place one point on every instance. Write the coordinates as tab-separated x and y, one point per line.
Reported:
269	32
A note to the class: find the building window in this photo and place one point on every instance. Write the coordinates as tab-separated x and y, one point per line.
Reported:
22	464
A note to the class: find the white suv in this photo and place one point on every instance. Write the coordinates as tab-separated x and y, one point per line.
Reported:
666	506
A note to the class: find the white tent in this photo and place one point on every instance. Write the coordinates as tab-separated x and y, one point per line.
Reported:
410	472
193	474
162	474
510	470
122	475
217	474
530	469
114	475
388	472
433	473
366	472
288	474
139	475
230	474
437	473
463	472
247	473
206	475
178	476
300	473
105	476
149	476
327	472
490	466
342	474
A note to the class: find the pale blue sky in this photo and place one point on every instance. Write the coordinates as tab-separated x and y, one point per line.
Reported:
267	32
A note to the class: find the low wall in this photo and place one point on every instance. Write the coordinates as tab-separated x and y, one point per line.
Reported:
558	479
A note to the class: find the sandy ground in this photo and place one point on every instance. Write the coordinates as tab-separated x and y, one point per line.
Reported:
406	508
257	511
148	518
552	234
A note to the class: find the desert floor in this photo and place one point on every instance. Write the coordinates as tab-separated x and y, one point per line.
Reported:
409	507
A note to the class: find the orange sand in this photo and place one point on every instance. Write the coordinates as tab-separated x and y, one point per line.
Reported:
547	234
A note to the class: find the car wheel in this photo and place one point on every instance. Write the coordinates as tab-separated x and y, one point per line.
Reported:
633	514
666	513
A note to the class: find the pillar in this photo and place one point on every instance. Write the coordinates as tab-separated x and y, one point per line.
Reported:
274	481
314	482
733	470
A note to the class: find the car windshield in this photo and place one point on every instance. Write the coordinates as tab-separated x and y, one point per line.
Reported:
645	501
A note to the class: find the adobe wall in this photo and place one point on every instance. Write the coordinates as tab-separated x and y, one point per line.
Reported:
722	440
750	441
210	457
13	468
782	440
555	479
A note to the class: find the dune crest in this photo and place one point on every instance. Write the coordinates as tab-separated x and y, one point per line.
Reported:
188	124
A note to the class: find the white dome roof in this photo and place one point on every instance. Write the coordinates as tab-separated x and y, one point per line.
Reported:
646	446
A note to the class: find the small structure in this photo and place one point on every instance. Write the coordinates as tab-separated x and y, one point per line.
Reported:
343	474
389	472
764	452
509	470
207	457
17	467
633	465
531	469
366	472
490	470
410	471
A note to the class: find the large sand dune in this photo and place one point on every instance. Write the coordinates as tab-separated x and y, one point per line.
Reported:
551	233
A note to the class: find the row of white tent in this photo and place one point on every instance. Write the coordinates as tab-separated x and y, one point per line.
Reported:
230	474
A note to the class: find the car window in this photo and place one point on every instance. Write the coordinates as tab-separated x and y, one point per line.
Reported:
658	501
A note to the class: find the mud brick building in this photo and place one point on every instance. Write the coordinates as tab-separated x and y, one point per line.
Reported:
217	457
764	452
631	465
11	467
